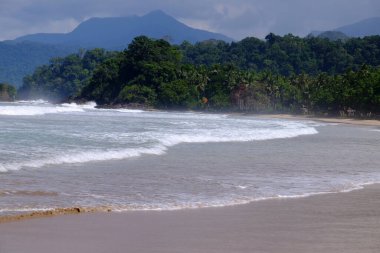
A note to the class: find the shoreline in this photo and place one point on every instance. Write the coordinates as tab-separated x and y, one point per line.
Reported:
77	210
351	121
54	212
348	121
330	223
333	222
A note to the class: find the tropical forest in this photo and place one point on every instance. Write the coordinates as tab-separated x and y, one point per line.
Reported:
281	74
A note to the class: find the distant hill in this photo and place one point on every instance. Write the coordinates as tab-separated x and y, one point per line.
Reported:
362	28
118	32
20	59
367	27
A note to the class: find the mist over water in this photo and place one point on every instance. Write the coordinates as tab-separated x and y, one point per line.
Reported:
75	155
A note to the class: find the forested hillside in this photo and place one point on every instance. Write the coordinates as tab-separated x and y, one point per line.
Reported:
20	57
115	33
287	55
63	77
280	74
7	92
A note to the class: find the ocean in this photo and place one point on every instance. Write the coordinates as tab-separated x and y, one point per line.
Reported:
69	155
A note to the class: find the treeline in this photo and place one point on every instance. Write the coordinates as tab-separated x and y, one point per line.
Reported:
7	92
63	77
287	55
281	74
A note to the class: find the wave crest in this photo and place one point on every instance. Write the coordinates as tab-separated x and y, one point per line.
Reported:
24	110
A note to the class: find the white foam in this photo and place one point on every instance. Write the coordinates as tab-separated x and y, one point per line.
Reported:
24	210
229	201
160	139
191	204
245	135
3	169
128	110
88	105
83	157
25	110
107	139
173	115
34	102
159	149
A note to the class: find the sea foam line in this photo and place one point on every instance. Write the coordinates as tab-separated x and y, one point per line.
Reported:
24	110
227	203
170	207
164	142
88	105
94	156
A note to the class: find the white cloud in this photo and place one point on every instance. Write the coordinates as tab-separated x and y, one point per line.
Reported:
18	28
198	24
232	11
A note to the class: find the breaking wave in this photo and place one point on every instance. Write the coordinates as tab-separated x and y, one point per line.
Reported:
107	134
162	142
42	107
88	105
21	110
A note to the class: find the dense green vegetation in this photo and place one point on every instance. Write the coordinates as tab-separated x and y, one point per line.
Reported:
63	77
7	92
332	35
287	55
280	74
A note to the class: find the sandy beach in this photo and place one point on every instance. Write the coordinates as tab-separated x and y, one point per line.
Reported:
343	222
349	121
329	223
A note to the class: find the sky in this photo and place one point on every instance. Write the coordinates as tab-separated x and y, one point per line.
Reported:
234	18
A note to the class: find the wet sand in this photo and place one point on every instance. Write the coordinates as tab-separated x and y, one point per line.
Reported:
349	121
343	222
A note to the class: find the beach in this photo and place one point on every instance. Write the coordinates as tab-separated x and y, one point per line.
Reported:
189	127
330	223
337	120
139	181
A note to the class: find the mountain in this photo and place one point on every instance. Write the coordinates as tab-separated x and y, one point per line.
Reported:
20	59
367	27
118	32
362	28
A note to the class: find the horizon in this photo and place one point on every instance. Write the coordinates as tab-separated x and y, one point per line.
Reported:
235	20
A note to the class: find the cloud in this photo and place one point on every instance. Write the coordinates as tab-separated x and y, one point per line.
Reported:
235	18
197	23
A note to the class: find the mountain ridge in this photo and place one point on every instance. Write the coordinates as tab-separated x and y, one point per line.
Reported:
362	28
116	33
21	56
365	27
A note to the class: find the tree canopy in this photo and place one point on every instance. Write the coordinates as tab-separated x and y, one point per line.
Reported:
7	92
280	74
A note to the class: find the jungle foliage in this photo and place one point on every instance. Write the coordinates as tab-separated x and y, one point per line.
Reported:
280	74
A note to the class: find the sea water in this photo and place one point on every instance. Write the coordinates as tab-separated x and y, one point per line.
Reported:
60	156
